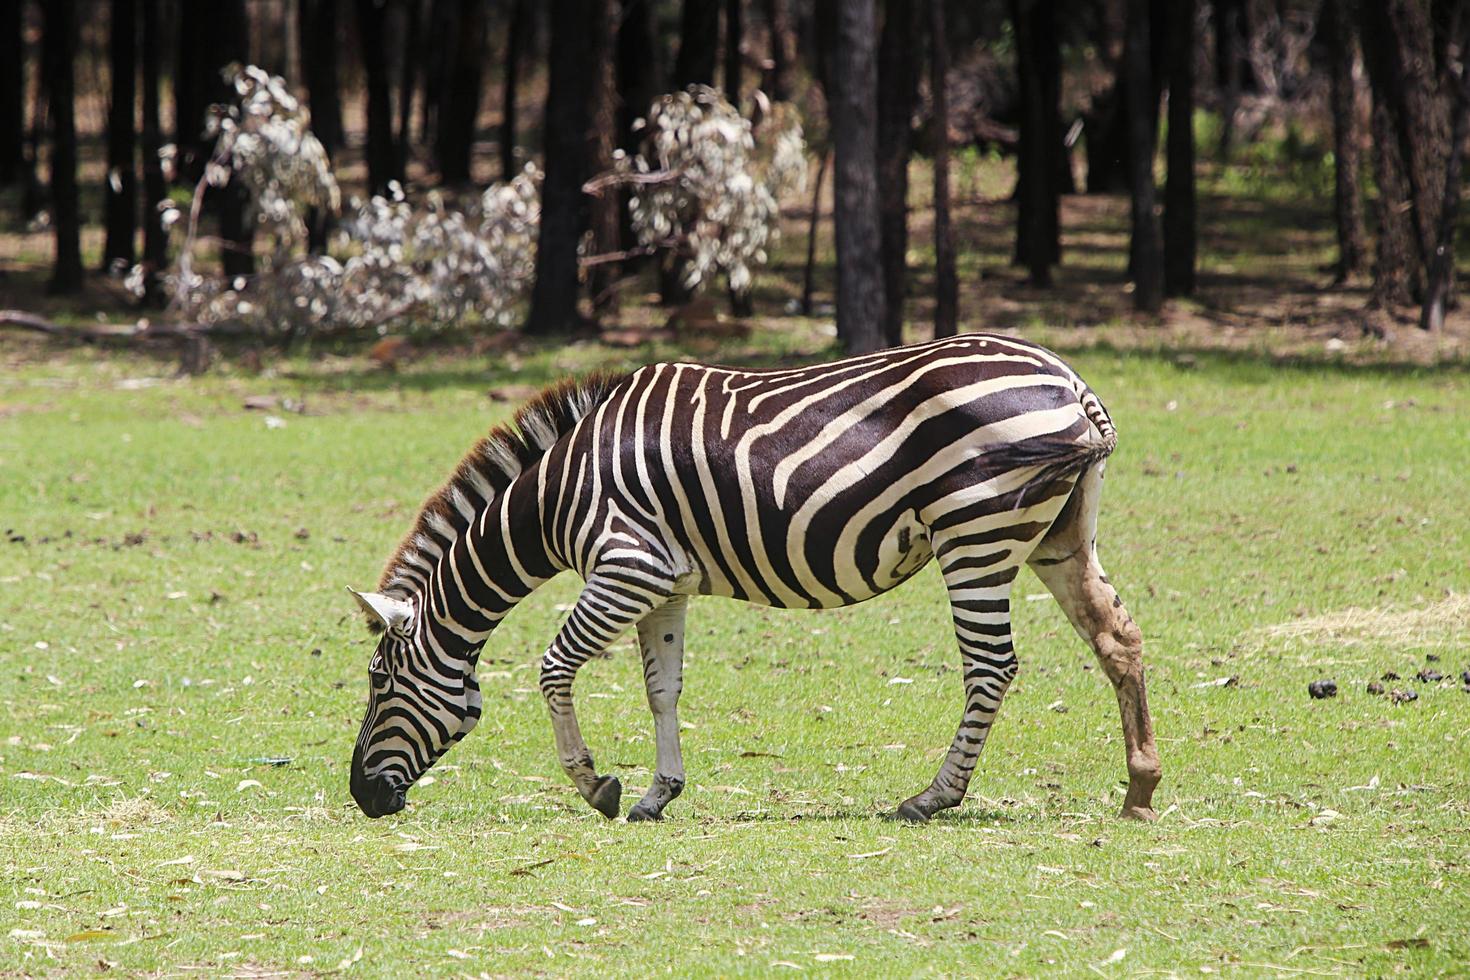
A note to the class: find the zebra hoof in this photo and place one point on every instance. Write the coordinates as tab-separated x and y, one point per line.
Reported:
607	793
643	814
910	813
1143	814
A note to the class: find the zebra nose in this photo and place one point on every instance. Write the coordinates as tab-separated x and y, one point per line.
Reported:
375	796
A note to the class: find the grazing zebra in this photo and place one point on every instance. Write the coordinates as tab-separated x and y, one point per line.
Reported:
811	487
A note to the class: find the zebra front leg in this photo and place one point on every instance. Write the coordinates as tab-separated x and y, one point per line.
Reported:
981	606
606	608
661	639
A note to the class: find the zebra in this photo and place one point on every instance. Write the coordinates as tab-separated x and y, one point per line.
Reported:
807	487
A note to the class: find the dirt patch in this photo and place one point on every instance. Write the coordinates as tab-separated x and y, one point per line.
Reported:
1441	624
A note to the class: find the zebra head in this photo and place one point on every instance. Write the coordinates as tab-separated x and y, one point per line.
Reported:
420	702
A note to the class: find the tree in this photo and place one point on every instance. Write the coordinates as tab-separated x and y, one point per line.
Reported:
734	35
860	295
319	43
638	73
563	205
1340	35
898	81
1442	262
602	140
383	160
1232	41
1179	190
1398	48
946	284
1038	60
459	103
518	37
58	39
155	235
1146	246
780	81
12	93
699	44
408	64
121	206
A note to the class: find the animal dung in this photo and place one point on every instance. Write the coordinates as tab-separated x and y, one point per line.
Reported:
1429	676
1322	689
1375	688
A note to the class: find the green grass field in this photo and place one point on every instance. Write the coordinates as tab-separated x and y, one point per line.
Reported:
173	627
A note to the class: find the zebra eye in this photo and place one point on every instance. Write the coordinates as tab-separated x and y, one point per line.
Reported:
378	672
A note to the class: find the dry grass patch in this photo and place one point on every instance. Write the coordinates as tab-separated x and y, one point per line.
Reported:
1441	624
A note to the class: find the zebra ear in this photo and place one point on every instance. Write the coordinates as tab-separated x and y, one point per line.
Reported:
393	613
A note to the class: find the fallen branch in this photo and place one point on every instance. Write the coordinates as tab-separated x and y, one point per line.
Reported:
597	185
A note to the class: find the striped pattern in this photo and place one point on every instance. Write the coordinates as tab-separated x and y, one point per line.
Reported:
813	487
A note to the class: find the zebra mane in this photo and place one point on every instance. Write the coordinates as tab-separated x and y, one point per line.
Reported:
488	468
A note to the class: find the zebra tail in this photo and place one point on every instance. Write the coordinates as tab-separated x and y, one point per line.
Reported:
1057	459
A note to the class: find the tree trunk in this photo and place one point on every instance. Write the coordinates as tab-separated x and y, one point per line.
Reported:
191	90
1442	264
1037	57
734	35
1340	35
853	111
946	284
1394	275
59	38
155	236
1146	250
780	82
229	43
459	104
1180	212
699	44
1398	53
121	203
1230	58
638	74
319	64
563	205
898	86
602	139
808	282
408	81
515	44
12	93
382	154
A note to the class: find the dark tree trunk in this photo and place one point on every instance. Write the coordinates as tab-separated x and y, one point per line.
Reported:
459	104
638	75
1394	273
605	210
563	205
191	90
853	111
228	36
1442	263
1038	62
155	236
1231	41
781	79
808	282
121	203
1146	250
319	64
898	87
408	82
1180	212
1340	35
59	38
946	284
516	40
1398	53
382	154
699	44
12	93
734	35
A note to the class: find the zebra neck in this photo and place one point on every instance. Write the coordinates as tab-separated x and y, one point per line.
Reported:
497	561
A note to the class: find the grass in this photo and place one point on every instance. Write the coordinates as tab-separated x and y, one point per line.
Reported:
173	619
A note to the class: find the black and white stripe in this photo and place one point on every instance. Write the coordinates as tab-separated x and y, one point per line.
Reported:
812	487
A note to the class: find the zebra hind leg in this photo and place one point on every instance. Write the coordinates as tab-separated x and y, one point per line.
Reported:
1066	561
979	593
661	640
606	608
